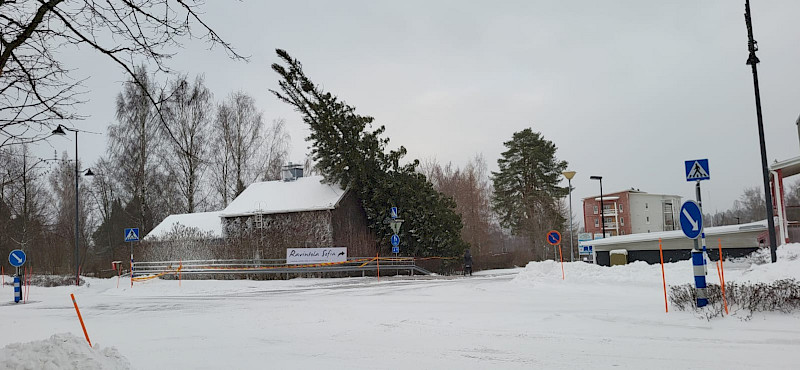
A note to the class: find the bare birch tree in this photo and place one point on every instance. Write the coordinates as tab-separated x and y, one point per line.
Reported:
275	148
135	147
189	112
38	90
237	139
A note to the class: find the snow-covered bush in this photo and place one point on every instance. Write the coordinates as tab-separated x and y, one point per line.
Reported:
743	298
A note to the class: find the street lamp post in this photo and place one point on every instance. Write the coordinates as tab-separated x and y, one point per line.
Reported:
602	218
569	175
60	131
752	60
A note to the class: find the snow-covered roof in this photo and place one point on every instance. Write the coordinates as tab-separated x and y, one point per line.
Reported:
630	192
301	195
789	167
710	231
205	222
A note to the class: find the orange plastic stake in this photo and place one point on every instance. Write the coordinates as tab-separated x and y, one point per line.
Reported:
562	261
724	300
722	275
81	319
29	278
663	278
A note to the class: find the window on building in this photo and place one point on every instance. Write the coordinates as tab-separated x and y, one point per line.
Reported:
646	206
622	221
596	222
620	208
595	209
648	219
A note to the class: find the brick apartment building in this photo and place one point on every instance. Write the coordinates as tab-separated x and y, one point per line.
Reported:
631	212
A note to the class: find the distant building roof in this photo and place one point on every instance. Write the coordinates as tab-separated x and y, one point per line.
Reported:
206	222
630	191
710	232
269	197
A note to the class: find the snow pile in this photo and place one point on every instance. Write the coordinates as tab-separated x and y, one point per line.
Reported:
787	266
60	351
754	268
580	272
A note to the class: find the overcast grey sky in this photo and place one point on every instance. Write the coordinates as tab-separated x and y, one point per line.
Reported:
626	89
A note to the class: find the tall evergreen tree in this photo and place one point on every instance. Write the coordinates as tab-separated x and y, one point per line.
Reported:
348	151
526	190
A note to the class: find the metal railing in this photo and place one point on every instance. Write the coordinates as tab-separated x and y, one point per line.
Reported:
276	266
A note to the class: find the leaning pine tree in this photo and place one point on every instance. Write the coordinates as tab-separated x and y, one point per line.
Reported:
526	190
348	152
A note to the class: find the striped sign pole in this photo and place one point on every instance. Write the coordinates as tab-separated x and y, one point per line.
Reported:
698	265
17	289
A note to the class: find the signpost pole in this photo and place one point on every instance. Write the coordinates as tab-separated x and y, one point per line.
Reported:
131	245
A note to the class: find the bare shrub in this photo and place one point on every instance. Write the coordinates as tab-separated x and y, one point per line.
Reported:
747	298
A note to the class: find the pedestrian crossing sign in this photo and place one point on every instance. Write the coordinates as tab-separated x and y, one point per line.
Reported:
132	235
697	170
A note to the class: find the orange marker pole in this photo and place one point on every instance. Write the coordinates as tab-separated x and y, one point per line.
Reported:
24	282
562	261
81	319
29	278
722	275
378	260
663	278
724	300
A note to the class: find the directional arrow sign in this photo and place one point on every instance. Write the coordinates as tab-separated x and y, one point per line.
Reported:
691	219
16	258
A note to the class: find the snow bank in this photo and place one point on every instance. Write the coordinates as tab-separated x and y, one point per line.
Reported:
753	268
761	270
61	351
583	273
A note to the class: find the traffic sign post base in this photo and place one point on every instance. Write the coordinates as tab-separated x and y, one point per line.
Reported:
17	289
699	268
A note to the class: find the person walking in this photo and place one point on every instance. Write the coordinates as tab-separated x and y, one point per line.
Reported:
467	263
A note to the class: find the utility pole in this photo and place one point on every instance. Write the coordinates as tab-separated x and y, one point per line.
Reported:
752	60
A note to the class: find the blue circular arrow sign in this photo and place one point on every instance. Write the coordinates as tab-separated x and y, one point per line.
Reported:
17	258
691	219
554	237
395	240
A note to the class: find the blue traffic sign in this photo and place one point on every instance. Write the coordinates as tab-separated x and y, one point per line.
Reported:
393	212
395	250
395	240
697	170
553	237
691	219
132	234
17	258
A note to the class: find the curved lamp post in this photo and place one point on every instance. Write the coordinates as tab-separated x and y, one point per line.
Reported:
569	175
602	217
88	172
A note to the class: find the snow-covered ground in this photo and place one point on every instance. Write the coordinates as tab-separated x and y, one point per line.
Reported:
524	318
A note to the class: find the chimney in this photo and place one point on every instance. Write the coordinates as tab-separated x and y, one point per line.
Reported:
291	172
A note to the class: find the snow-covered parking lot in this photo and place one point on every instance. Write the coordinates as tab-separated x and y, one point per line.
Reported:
524	318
